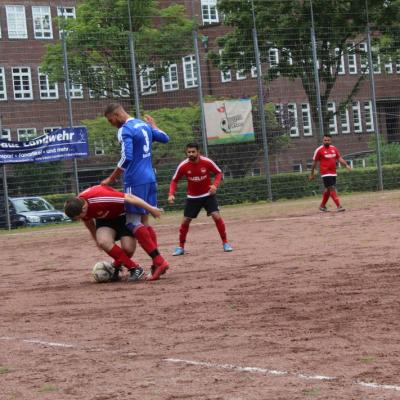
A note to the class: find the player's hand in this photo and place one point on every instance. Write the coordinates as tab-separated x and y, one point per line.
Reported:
349	167
171	199
156	212
150	120
311	177
106	182
213	189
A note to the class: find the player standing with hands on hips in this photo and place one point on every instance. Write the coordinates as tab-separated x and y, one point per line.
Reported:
326	155
200	193
136	138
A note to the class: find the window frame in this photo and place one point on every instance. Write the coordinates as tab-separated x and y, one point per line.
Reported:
21	91
42	17
19	32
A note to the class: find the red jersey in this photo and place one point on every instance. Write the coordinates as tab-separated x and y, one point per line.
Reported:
327	157
198	176
104	202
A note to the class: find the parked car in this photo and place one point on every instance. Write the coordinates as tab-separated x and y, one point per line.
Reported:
31	211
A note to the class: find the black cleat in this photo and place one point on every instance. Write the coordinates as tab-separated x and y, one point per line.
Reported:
136	274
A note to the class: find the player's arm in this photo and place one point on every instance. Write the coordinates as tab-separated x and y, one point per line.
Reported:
217	177
344	163
173	185
113	177
158	134
91	226
312	173
137	201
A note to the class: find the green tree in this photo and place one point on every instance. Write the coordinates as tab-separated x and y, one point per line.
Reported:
285	26
98	49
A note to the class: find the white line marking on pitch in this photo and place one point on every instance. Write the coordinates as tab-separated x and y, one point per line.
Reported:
231	367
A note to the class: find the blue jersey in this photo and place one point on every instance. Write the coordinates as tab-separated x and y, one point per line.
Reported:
136	138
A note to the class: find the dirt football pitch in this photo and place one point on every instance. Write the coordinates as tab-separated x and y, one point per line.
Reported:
307	306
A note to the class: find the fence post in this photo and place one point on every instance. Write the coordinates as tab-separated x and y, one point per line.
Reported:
260	99
132	55
316	75
68	90
200	93
373	101
5	185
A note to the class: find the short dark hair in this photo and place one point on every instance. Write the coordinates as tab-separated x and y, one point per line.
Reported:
111	108
327	135
73	207
192	145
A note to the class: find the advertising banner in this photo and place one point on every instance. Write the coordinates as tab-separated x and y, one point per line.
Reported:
229	121
60	144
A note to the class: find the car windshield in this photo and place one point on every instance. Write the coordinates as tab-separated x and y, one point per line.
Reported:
32	204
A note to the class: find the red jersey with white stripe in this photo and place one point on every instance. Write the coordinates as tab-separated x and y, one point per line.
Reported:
198	175
327	157
104	202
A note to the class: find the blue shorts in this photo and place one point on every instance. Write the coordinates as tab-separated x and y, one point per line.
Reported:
147	192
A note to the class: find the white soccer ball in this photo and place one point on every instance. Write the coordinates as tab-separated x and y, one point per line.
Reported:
103	271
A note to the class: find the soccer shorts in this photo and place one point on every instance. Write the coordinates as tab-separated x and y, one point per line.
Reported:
329	181
147	192
193	206
117	224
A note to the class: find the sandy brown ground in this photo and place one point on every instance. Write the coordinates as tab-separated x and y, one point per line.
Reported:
304	296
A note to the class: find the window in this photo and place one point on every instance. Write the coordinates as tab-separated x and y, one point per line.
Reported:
293	122
253	72
170	79
309	164
240	74
273	57
297	166
25	134
50	129
226	76
376	61
65	12
364	58
369	119
345	120
331	107
98	83
306	118
42	22
75	90
397	66
279	115
47	90
3	89
256	172
5	134
357	116
341	68
352	60
16	22
148	83
209	12
389	66
189	71
99	147
22	83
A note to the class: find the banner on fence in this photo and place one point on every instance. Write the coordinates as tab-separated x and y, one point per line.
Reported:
229	121
60	144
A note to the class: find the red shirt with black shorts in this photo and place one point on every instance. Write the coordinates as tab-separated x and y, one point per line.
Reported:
327	157
107	206
198	175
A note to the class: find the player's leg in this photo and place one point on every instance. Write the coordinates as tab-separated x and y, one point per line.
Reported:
191	211
334	195
326	193
148	193
212	209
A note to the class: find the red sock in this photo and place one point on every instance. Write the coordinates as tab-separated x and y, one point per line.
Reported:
183	230
335	197
153	234
221	229
121	258
146	242
325	198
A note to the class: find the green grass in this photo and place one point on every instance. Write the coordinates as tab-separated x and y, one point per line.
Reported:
4	370
47	388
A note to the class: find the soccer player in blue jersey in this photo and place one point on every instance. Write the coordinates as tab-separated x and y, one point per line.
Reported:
136	138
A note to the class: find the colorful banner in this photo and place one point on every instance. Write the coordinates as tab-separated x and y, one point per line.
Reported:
60	144
229	121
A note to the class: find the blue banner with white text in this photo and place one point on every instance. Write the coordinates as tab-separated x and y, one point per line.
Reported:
60	144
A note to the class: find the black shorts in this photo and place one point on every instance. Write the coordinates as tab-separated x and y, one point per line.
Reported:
117	224
193	206
329	181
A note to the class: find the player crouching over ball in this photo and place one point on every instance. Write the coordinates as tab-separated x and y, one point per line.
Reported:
102	210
